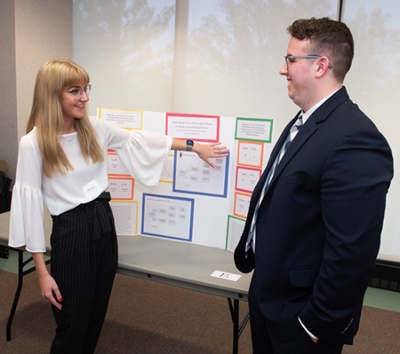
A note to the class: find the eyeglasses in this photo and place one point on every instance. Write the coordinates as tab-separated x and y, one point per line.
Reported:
77	91
290	59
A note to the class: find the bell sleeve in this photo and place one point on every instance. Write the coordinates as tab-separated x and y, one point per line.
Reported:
141	152
144	156
27	211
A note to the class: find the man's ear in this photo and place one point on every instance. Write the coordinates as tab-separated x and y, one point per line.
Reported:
323	66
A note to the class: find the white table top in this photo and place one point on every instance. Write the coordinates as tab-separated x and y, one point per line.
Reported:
176	263
182	264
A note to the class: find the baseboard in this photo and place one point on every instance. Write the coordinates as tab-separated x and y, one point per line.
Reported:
386	275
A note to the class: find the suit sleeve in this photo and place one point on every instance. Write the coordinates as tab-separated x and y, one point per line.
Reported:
354	186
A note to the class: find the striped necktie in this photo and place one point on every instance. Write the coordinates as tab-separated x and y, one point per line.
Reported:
292	133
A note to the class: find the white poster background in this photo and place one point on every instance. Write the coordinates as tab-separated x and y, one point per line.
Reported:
210	213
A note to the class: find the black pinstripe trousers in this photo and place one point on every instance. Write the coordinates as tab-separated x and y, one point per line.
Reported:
84	261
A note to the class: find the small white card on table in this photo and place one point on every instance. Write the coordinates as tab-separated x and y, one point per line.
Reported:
225	275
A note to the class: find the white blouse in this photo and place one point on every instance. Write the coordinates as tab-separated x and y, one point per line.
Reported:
141	153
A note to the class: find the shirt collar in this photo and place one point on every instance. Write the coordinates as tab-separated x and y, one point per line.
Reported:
307	114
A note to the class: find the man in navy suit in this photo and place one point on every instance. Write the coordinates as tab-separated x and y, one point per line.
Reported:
313	237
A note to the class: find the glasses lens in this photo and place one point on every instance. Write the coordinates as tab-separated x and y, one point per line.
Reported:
287	62
87	89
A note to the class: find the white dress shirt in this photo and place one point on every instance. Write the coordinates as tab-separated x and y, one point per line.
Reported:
142	154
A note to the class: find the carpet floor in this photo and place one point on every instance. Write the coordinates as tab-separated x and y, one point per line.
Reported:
146	317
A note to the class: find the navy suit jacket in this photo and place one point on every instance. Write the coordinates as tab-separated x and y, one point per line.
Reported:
318	227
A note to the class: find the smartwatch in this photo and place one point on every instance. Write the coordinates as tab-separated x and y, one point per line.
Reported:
189	145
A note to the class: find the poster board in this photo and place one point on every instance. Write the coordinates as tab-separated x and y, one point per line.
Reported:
192	201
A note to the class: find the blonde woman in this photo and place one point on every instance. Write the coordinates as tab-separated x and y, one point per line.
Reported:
62	163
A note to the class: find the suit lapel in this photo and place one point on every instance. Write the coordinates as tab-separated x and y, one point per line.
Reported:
310	127
275	151
302	136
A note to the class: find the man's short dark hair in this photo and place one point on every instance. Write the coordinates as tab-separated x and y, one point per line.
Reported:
327	37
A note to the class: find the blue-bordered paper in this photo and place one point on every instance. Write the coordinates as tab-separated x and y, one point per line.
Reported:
193	175
166	216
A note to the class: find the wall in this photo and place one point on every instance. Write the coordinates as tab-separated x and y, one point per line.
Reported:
8	86
32	32
233	53
228	60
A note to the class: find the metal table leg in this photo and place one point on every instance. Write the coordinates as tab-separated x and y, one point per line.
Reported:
21	274
237	328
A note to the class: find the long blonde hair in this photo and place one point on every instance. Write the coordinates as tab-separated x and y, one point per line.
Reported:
46	115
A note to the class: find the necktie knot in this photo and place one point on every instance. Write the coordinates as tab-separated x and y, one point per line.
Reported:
295	128
299	121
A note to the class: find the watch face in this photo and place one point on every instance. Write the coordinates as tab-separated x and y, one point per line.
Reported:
189	143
